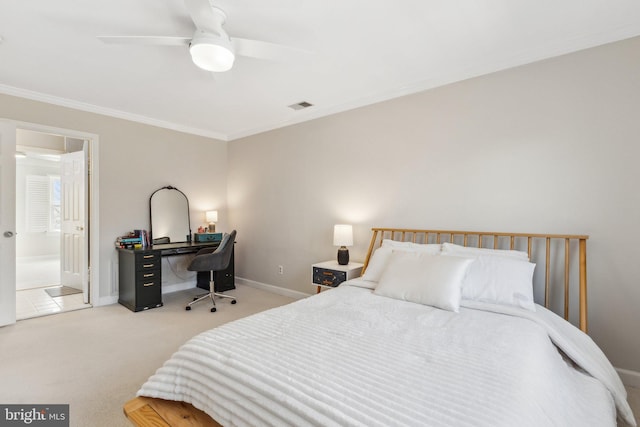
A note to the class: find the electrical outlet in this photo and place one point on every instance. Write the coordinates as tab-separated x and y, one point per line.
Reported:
280	269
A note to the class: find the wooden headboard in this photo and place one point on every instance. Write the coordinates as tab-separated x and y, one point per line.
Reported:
548	255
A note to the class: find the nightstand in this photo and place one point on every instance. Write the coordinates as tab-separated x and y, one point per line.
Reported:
330	274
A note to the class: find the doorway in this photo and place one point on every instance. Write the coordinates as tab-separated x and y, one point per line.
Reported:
51	219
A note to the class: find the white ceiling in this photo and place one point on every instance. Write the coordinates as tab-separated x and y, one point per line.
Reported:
360	52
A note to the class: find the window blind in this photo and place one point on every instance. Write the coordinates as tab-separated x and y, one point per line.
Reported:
37	203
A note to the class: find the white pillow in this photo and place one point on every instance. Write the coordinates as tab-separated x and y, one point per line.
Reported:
432	248
423	278
377	264
500	280
450	248
380	256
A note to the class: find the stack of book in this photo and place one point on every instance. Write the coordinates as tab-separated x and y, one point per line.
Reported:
135	239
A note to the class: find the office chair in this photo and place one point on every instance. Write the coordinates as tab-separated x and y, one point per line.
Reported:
212	260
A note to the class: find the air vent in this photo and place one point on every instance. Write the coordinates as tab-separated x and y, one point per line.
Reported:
300	105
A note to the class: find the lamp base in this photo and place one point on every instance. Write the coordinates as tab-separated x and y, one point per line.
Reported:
212	227
343	255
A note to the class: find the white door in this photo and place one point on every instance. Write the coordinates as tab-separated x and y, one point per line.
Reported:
73	253
7	223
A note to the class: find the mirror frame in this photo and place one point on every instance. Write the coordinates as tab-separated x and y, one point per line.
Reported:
169	187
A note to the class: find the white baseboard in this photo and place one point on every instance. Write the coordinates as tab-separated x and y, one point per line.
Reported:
270	288
105	301
629	378
175	287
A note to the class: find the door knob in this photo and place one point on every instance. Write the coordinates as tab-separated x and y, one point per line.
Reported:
78	228
8	234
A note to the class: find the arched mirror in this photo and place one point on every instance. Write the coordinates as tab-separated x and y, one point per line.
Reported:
169	215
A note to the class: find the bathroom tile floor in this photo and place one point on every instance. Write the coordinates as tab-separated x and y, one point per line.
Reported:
36	302
33	276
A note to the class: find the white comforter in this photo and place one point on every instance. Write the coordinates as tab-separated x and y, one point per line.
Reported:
347	357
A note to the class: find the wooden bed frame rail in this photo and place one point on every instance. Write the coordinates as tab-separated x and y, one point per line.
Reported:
148	412
519	241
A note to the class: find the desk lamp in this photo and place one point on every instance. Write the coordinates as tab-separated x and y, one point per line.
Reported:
343	237
212	218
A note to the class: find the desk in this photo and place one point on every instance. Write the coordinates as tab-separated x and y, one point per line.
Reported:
140	273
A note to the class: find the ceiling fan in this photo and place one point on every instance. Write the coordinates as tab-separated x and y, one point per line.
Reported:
210	47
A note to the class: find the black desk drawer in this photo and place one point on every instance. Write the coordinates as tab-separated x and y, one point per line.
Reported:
148	294
147	261
326	277
145	276
140	279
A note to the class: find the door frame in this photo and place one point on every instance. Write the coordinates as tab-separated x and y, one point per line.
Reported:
92	199
8	223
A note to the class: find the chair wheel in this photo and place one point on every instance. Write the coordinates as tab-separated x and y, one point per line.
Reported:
233	301
188	308
213	309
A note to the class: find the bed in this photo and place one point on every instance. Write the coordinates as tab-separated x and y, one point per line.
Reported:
441	330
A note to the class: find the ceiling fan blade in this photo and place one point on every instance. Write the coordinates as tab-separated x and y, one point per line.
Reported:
266	50
146	40
204	16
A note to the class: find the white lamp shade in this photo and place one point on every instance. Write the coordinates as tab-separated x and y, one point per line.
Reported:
342	235
212	216
211	52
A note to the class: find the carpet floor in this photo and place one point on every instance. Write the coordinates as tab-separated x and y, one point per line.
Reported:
102	355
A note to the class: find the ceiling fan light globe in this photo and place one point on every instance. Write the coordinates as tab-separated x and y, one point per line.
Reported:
212	57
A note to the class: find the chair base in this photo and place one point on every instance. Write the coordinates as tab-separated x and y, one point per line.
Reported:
211	294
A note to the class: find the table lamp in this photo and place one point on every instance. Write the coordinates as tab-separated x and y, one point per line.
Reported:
212	218
343	237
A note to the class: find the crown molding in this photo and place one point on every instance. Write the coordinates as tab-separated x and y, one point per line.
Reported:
82	106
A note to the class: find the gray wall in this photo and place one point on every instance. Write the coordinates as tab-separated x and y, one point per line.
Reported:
550	147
